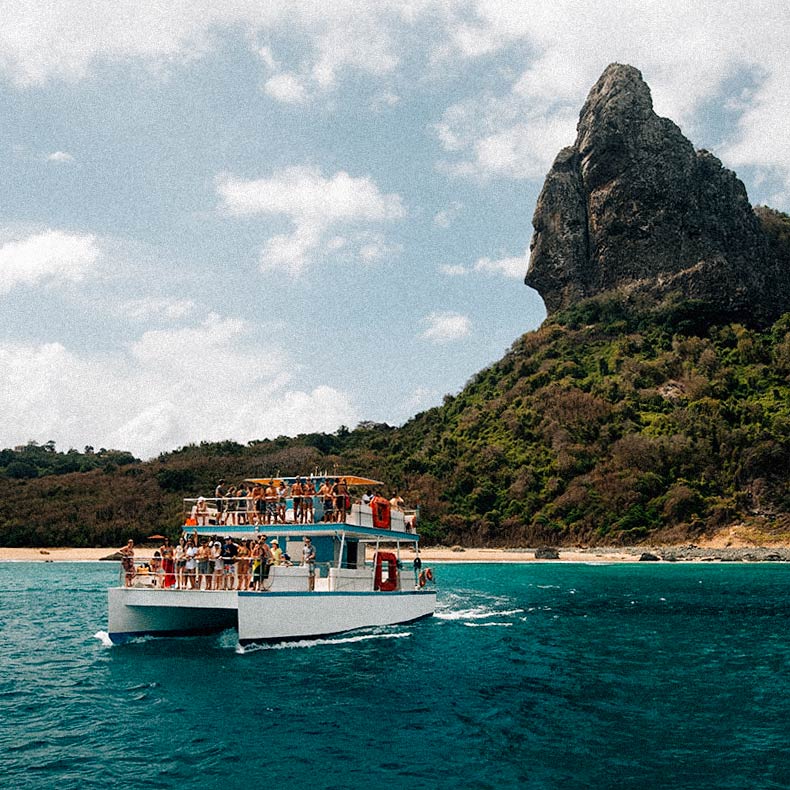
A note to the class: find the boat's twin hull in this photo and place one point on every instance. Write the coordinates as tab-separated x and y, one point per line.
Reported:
259	617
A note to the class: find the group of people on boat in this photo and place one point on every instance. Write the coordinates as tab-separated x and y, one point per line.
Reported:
266	502
210	564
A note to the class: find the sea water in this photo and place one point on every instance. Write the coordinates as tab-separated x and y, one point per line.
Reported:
529	675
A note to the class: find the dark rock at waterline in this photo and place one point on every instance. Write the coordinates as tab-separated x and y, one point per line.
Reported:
546	553
646	556
115	557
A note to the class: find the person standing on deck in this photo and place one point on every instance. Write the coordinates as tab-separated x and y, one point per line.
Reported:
127	561
296	498
190	566
308	559
342	500
244	504
168	564
270	498
282	493
230	507
204	565
219	496
229	552
266	561
308	492
327	500
219	565
181	560
257	499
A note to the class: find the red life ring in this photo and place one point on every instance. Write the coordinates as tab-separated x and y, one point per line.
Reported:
429	574
389	583
381	513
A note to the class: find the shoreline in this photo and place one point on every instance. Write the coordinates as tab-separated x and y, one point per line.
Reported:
457	554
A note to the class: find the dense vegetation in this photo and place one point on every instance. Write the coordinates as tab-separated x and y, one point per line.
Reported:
35	460
612	423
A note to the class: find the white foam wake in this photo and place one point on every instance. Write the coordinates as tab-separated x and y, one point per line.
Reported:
104	638
302	643
486	625
475	614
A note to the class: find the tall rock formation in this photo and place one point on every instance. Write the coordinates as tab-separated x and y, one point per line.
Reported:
632	207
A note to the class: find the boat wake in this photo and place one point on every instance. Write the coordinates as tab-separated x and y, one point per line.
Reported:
104	638
304	643
478	613
487	625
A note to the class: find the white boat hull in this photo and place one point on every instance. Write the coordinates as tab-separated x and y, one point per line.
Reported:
280	616
259	617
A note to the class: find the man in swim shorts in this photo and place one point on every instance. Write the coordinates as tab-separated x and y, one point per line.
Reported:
308	559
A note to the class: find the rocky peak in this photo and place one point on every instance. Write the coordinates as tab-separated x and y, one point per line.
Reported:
632	207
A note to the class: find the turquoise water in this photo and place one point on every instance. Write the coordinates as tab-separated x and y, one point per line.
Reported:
532	675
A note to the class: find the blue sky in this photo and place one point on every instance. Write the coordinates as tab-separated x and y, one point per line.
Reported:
253	220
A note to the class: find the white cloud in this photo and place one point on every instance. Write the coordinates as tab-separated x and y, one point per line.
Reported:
316	206
687	52
60	156
51	256
446	217
384	100
445	327
41	40
267	56
207	381
374	251
287	88
453	269
158	307
514	268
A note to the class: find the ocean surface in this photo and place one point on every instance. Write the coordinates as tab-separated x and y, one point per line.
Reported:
530	675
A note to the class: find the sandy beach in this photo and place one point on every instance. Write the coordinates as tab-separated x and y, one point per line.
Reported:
685	553
427	554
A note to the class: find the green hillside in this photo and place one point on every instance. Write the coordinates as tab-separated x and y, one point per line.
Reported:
610	424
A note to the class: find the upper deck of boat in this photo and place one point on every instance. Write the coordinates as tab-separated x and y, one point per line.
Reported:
277	509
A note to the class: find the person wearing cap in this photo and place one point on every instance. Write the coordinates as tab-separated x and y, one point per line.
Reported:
308	559
219	565
277	552
229	552
201	512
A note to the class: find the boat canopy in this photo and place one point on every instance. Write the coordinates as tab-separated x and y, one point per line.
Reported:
352	480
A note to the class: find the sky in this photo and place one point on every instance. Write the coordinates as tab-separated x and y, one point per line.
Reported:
242	220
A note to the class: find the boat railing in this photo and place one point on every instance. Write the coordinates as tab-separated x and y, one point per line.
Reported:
153	573
235	511
246	573
241	511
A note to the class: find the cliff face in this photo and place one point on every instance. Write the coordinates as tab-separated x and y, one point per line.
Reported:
632	207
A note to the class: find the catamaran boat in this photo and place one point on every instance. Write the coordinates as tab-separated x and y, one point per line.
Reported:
365	570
